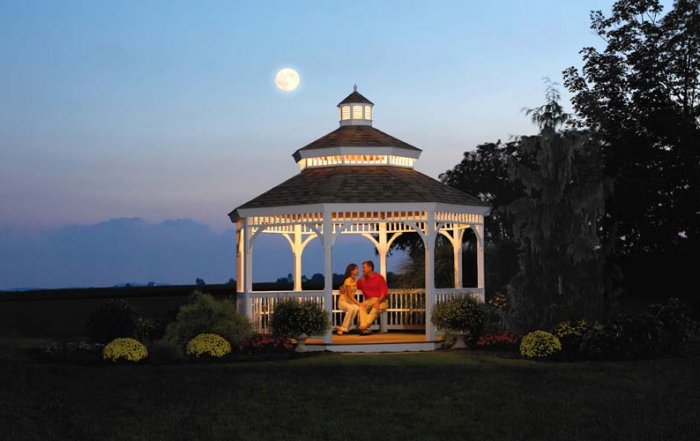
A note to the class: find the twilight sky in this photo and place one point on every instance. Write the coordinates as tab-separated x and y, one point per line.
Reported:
168	109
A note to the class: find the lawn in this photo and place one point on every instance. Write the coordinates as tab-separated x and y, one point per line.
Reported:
428	396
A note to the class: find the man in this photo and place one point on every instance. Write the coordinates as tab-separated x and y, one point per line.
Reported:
376	295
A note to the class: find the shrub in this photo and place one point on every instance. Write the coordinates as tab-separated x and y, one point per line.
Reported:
500	341
124	349
293	318
623	337
208	315
164	352
208	345
70	352
540	345
266	344
461	314
675	321
112	319
570	334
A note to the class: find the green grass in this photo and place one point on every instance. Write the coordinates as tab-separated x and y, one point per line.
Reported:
442	396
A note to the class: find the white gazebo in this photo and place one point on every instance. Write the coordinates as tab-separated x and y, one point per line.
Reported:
360	180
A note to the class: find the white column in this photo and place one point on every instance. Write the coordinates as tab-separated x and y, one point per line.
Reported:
382	249
457	234
328	269
240	268
480	238
297	250
248	266
429	274
240	252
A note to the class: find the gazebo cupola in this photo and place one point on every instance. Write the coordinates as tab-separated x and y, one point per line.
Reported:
355	110
356	142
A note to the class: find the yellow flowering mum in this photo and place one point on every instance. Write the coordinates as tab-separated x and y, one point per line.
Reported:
211	345
575	328
539	344
124	349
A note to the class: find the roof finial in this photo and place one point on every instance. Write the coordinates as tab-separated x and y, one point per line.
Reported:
354	87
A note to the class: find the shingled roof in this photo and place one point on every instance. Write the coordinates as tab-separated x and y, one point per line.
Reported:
355	97
356	136
360	184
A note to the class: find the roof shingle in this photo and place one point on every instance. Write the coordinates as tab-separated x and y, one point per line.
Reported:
357	136
360	184
355	97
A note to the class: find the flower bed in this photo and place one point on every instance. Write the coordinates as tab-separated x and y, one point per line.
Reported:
506	341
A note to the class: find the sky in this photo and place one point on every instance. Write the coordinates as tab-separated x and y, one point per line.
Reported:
167	109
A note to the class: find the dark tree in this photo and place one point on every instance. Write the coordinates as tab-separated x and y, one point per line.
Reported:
640	98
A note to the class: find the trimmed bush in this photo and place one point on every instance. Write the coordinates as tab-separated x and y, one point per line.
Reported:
164	352
124	350
461	314
675	321
570	334
112	319
208	345
208	315
79	352
540	345
293	319
623	337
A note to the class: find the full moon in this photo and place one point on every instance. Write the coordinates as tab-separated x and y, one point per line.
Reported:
287	79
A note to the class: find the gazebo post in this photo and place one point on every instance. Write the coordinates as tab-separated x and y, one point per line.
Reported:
328	270
248	268
480	260
457	234
240	249
382	249
429	274
297	250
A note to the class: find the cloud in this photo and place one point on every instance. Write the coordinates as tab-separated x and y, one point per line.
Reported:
131	250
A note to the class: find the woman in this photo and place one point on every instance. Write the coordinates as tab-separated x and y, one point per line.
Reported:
347	301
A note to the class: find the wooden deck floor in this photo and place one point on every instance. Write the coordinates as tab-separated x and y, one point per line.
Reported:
374	338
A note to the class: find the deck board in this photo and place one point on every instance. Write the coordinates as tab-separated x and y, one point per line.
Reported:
374	338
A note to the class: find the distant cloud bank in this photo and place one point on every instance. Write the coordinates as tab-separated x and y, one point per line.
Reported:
131	250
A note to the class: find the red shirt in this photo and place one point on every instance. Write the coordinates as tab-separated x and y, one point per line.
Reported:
372	287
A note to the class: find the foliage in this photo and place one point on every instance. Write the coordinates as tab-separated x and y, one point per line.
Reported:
570	333
461	314
70	352
164	352
205	314
124	350
500	341
556	223
112	319
266	344
623	337
677	326
640	98
294	318
208	345
540	345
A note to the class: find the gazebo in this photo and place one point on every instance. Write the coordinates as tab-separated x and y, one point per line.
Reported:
359	180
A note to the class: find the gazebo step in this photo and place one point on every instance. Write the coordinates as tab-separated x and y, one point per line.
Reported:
376	347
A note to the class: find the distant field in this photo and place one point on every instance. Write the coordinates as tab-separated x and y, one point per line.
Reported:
440	396
61	313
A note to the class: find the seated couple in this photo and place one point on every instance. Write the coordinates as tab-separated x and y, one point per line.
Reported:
376	294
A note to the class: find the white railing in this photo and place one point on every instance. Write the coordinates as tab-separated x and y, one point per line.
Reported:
406	309
406	306
262	305
442	294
